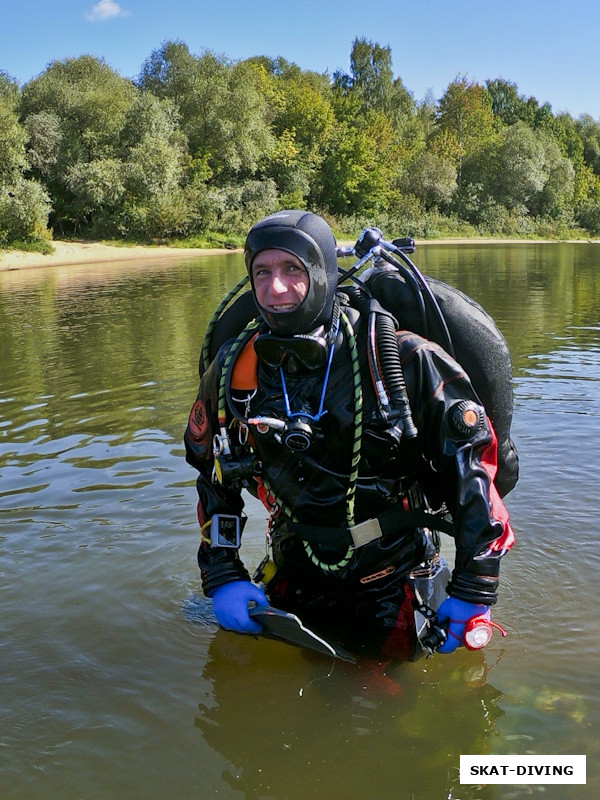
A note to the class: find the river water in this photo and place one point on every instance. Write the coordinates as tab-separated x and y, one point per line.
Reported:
115	682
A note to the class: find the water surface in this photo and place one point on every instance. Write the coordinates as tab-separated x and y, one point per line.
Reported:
115	682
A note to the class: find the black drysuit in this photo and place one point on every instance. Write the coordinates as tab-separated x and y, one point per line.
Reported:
448	468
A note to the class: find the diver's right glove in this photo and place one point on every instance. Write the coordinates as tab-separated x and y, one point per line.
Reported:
230	604
456	614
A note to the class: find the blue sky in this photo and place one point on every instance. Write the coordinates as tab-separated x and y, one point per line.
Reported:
549	48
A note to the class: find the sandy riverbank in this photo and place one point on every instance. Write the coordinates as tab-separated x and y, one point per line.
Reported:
66	253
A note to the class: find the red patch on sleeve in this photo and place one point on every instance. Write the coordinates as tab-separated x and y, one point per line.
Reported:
198	422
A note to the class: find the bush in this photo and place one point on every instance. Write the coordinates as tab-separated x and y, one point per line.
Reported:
164	216
24	210
33	246
404	219
588	215
235	208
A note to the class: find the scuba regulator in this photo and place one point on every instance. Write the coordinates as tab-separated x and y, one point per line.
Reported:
296	433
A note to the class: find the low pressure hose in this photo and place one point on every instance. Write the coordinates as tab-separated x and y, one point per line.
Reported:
393	374
205	354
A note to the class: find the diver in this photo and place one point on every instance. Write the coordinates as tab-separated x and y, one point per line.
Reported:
359	479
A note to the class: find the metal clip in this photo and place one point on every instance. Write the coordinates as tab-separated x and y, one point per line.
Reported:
243	433
249	398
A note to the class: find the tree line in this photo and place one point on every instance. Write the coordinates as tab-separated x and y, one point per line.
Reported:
201	146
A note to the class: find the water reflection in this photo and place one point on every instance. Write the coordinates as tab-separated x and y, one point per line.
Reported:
341	730
102	667
535	292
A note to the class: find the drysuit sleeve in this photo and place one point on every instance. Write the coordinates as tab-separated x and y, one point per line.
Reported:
218	565
458	441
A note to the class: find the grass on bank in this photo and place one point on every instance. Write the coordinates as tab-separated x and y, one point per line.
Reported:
209	241
343	229
43	246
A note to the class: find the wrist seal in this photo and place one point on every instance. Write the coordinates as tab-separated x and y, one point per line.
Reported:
220	574
474	589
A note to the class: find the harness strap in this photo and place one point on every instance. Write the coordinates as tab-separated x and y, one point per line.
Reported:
388	523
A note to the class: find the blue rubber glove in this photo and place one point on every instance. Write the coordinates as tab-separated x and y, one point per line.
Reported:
230	604
457	613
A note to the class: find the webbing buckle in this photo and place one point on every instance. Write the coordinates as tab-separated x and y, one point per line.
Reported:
365	532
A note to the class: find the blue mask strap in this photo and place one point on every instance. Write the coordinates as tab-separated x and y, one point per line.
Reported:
320	413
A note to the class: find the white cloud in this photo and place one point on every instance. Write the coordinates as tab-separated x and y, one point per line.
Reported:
105	9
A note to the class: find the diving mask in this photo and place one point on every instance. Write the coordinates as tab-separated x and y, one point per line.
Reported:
305	349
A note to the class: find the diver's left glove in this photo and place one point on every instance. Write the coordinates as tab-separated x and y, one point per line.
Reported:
455	614
230	604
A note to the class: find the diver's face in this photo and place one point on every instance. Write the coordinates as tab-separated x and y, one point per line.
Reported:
280	281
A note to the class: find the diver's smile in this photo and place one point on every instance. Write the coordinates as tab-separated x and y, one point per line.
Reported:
279	307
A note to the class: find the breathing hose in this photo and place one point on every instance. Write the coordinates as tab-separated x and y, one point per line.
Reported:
425	296
389	358
384	359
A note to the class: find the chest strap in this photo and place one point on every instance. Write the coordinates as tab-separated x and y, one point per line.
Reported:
388	523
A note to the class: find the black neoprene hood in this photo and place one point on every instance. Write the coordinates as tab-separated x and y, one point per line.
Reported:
308	237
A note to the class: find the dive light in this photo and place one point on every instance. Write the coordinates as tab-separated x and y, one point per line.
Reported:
479	631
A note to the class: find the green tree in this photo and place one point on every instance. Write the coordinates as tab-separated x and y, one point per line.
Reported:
524	172
89	98
302	123
431	179
359	170
112	155
12	141
372	87
154	155
372	76
587	213
24	210
378	133
74	113
372	79
222	110
44	138
9	89
563	129
141	191
465	122
533	172
589	133
24	205
587	191
520	168
427	114
152	147
507	104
